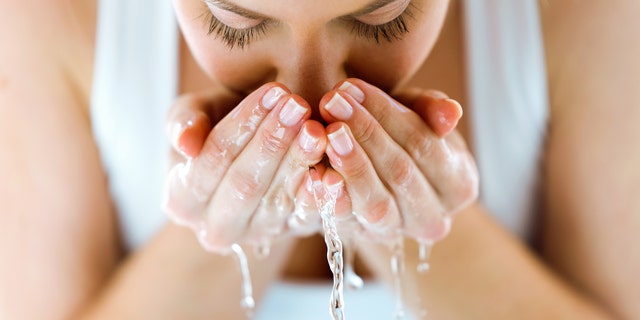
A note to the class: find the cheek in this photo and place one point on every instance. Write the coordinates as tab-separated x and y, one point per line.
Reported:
389	65
238	72
384	68
237	69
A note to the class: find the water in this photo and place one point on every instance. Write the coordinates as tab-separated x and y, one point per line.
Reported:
353	281
424	251
247	302
340	256
397	271
326	202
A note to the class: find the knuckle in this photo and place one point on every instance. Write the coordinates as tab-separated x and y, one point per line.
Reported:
436	229
177	212
355	170
215	152
243	186
382	116
418	145
469	188
215	239
178	201
465	190
378	211
179	216
367	132
274	142
401	172
304	220
278	202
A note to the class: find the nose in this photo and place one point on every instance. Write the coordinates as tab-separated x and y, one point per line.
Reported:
311	66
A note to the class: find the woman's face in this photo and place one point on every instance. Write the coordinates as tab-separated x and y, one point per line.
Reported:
310	45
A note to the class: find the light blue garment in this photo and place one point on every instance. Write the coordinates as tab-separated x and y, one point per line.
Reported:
135	81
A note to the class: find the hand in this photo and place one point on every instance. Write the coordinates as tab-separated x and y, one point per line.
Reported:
399	174
237	181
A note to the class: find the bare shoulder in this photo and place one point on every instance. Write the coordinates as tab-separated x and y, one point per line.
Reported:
54	203
592	177
594	42
59	33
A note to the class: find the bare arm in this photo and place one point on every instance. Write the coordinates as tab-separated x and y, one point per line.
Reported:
590	229
59	243
174	278
480	271
590	254
55	211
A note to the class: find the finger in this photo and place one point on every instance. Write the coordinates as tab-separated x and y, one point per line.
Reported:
420	205
187	125
441	113
371	202
445	162
228	138
249	176
346	221
179	203
305	219
278	203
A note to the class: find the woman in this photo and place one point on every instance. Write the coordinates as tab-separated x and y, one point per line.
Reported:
78	245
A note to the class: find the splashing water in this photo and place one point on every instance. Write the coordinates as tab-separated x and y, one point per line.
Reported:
247	302
326	202
424	251
353	281
397	271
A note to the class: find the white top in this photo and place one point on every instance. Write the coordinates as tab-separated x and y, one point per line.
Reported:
135	82
507	84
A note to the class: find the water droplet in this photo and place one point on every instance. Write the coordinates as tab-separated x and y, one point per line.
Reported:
354	282
397	271
247	302
424	251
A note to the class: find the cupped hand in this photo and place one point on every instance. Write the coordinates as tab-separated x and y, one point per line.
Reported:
404	168
239	176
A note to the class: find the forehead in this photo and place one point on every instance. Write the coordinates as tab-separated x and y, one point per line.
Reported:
304	9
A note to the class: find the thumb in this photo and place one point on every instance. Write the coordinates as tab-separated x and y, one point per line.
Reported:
439	111
187	124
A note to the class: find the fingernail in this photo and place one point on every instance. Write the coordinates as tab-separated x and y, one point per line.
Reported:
307	141
341	142
272	96
459	109
291	113
335	188
439	95
339	107
354	91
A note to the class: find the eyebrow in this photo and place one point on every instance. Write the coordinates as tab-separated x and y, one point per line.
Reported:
232	7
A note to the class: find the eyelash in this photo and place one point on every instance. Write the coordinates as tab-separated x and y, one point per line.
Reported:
390	31
232	37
